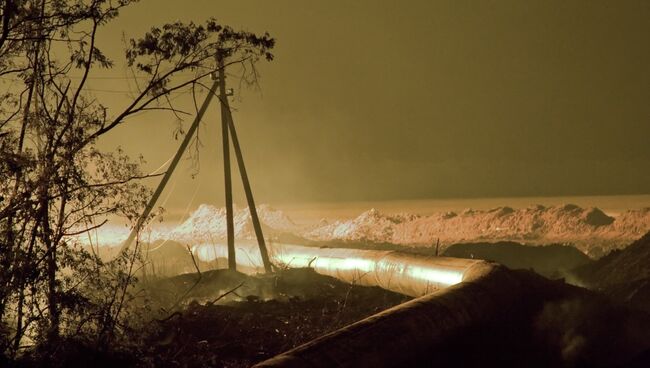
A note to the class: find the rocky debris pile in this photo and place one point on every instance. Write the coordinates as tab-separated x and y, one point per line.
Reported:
589	229
208	224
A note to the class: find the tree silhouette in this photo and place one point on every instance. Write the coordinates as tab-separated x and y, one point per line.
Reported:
55	184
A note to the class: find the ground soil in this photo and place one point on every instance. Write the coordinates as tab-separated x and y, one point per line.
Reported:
623	275
223	319
262	317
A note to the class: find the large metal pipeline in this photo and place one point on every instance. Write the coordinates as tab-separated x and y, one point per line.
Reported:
455	298
409	274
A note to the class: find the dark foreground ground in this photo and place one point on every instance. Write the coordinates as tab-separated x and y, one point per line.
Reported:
261	317
300	305
226	319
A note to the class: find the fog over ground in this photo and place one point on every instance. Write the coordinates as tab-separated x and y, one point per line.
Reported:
375	101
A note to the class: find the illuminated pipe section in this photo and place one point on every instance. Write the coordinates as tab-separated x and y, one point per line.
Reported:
409	274
454	296
414	326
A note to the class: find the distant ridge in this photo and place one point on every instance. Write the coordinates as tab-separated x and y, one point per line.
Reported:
589	229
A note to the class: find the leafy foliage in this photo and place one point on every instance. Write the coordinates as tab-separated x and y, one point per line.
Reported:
55	184
177	46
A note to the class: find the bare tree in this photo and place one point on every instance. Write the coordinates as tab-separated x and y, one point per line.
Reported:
54	182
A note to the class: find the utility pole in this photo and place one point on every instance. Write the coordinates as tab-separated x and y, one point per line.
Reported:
225	109
228	129
249	196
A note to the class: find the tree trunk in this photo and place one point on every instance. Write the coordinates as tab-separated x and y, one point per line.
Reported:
51	268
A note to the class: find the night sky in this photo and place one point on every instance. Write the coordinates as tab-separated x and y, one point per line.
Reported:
383	100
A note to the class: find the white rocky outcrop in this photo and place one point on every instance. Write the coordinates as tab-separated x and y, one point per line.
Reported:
208	224
590	229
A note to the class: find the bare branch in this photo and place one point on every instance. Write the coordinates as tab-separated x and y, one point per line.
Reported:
91	228
226	293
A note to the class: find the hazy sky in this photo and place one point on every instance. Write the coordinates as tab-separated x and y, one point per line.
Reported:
377	100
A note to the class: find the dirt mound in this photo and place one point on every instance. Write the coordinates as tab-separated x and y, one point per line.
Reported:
622	274
596	217
620	266
208	223
590	230
261	318
553	261
504	319
635	293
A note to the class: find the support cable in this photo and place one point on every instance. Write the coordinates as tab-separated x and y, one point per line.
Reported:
170	170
